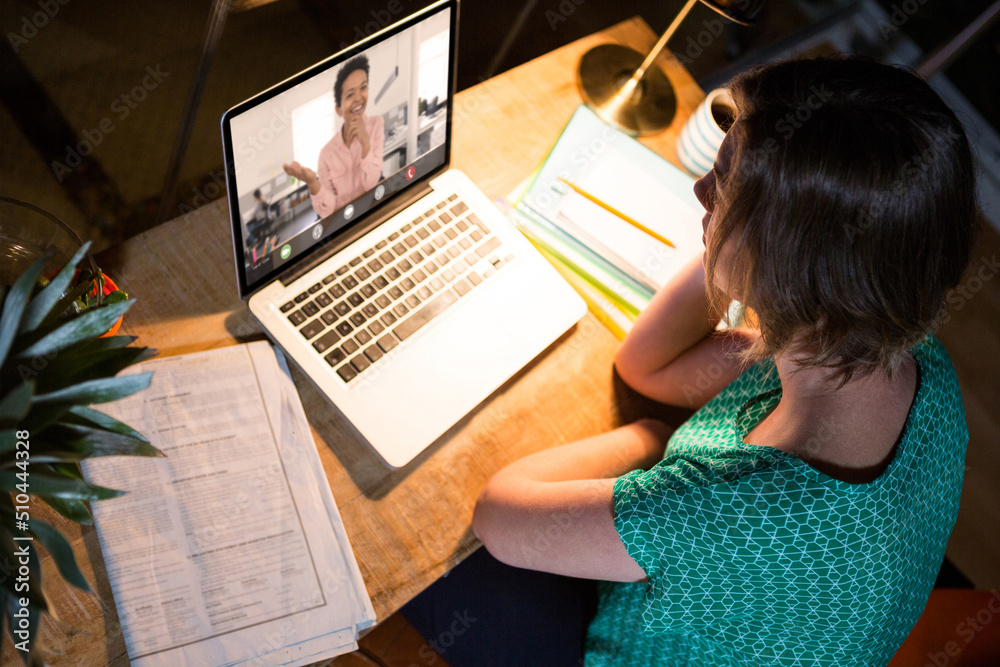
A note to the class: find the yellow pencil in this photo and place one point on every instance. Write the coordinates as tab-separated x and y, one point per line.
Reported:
610	209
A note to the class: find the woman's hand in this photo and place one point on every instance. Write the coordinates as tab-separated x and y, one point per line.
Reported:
355	129
304	174
673	354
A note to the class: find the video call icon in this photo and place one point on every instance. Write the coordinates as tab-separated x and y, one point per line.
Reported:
379	192
349	212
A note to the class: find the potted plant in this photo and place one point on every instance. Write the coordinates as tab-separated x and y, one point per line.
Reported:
55	361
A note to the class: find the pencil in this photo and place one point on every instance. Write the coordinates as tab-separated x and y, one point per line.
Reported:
610	209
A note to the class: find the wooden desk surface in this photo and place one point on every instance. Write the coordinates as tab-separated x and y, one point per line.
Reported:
407	527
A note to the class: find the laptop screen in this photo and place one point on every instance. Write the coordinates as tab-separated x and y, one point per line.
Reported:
314	155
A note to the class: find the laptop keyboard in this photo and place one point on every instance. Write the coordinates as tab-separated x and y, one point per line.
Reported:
387	293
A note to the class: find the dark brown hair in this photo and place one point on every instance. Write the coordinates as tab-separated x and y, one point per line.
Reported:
851	209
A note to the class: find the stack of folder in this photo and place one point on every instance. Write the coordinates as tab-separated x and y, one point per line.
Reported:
613	217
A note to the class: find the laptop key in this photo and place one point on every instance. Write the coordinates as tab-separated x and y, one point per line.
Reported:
347	373
395	292
476	235
367	253
462	225
416	257
447	275
373	353
405	228
407	284
462	287
337	291
296	317
431	309
375	265
454	251
360	362
315	288
405	265
459	208
363	337
465	243
474	219
488	247
452	197
400	309
393	273
363	274
399	249
344	328
380	282
459	267
474	278
335	356
302	297
350	282
388	318
451	233
314	327
383	301
436	284
287	307
428	249
324	300
326	341
440	204
355	261
342	308
350	346
387	342
376	328
419	276
444	217
381	244
368	291
356	299
440	241
387	257
424	292
423	233
429	213
430	267
310	309
342	270
371	310
329	316
393	236
358	319
434	225
329	279
413	301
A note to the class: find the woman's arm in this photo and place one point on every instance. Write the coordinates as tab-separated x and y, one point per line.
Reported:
673	354
553	511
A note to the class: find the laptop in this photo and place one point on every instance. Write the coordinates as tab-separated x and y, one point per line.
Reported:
390	279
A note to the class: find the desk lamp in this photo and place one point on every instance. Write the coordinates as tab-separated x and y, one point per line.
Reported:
634	94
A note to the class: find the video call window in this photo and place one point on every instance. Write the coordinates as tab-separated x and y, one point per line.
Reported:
310	151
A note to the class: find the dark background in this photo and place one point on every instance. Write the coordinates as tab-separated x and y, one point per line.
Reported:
63	81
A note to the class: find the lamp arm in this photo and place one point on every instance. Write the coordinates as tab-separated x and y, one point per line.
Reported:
663	40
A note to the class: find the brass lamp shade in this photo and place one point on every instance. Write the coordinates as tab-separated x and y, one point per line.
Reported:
630	92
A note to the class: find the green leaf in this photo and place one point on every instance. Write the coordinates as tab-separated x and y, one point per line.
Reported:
91	324
13	305
74	510
97	391
93	442
8	441
60	487
65	302
61	552
79	414
115	297
15	405
86	361
40	306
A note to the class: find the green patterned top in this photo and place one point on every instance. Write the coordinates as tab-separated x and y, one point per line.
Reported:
756	558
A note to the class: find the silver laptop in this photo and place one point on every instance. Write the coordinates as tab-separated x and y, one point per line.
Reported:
391	280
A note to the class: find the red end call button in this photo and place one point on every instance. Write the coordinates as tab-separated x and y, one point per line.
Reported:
411	171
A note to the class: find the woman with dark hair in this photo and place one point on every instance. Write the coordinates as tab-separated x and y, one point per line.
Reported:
800	516
351	162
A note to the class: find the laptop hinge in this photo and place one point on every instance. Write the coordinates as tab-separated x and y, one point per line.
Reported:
352	235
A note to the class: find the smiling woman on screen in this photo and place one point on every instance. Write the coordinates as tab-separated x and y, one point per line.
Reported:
351	162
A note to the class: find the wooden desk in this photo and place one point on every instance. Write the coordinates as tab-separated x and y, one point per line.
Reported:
410	526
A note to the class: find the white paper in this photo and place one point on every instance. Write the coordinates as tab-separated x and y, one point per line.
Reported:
230	550
620	183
